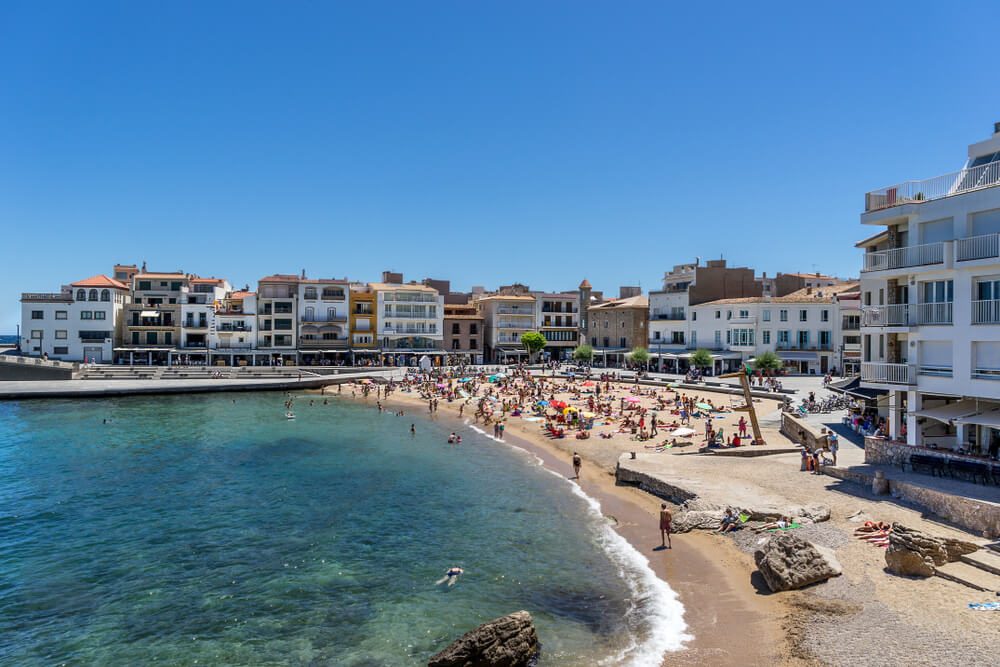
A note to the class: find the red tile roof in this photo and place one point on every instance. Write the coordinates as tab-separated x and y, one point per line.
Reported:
100	281
280	278
240	294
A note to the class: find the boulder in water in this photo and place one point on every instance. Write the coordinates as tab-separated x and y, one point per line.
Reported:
508	641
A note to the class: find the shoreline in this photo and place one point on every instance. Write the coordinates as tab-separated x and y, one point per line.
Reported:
728	622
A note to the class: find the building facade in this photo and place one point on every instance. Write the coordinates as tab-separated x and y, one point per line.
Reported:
410	321
82	322
930	303
505	318
463	333
277	314
617	327
323	321
557	317
152	329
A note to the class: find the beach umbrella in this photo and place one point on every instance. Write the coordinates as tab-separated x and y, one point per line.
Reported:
632	399
442	385
588	383
500	375
543	403
569	409
466	380
558	405
683	432
703	406
589	415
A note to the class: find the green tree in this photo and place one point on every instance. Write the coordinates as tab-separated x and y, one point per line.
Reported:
534	343
766	362
639	356
701	358
584	353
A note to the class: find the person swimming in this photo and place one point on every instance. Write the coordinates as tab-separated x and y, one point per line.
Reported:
451	576
452	438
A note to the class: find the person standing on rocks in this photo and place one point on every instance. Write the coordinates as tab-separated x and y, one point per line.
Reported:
577	463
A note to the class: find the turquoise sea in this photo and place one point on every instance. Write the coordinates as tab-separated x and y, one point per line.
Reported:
209	529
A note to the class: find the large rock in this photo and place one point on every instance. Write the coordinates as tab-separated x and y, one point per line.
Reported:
697	520
914	553
508	641
787	562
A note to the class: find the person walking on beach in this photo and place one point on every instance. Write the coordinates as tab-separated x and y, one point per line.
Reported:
577	463
666	521
743	427
833	442
500	430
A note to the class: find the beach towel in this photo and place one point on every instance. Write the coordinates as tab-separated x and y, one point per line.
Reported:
788	527
985	606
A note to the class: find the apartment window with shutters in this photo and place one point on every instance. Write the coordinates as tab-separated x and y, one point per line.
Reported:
765	336
824	315
61	315
783	315
766	315
61	334
803	315
37	315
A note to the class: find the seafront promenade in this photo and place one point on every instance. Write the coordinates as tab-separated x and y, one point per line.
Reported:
92	388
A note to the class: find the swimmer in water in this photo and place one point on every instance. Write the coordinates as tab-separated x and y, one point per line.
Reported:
450	577
413	429
451	438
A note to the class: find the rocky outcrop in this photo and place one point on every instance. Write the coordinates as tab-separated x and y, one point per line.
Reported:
685	522
787	562
508	641
913	553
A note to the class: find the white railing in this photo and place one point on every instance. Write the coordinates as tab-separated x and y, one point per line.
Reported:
513	310
898	258
932	313
986	312
883	373
891	315
983	176
977	247
986	373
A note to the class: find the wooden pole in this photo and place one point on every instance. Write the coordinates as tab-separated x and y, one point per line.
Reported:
745	382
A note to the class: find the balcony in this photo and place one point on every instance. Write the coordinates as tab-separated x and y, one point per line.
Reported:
409	331
195	324
883	373
226	345
907	314
901	258
322	343
321	319
513	310
986	312
506	324
658	315
932	313
232	328
52	297
410	316
916	192
977	247
409	298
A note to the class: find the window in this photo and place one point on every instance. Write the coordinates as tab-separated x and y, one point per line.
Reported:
61	334
135	337
86	314
766	315
310	315
783	338
92	295
61	315
656	335
310	293
36	334
824	340
81	295
593	341
744	314
803	315
473	344
718	338
986	290
783	315
607	342
694	339
729	314
729	337
282	324
824	315
937	291
331	314
677	338
743	337
765	336
168	338
455	343
105	295
174	286
622	342
456	328
718	314
60	350
473	329
145	285
803	339
150	338
37	315
100	315
694	316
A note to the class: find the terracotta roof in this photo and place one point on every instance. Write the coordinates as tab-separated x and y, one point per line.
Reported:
809	275
208	281
804	295
325	281
507	297
406	287
640	301
161	275
241	294
100	281
585	284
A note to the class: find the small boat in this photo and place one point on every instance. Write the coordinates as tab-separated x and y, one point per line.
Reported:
289	415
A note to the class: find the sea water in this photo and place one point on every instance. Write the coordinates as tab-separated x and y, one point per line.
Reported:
210	529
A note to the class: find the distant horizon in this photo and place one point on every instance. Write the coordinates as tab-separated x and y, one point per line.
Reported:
484	143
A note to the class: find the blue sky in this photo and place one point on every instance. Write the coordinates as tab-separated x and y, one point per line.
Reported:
482	142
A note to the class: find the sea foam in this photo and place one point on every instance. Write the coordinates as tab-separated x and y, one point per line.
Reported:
655	608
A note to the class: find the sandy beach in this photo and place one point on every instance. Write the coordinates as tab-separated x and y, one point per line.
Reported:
733	618
730	622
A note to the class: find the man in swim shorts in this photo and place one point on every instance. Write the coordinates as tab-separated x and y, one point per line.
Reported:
666	521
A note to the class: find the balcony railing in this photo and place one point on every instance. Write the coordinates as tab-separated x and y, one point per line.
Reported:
884	373
986	312
47	296
230	328
980	373
504	324
909	192
668	316
321	319
899	258
409	298
509	310
977	247
932	313
322	342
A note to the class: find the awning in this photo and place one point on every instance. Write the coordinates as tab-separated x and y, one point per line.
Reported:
990	418
946	413
853	388
727	355
798	356
149	313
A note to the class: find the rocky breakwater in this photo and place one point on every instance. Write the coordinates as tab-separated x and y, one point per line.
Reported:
788	562
701	515
508	641
913	553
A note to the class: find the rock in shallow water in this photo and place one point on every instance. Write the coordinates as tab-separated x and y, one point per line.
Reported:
787	562
508	641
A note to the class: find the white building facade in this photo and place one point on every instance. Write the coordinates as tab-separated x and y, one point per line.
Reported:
81	322
930	304
410	321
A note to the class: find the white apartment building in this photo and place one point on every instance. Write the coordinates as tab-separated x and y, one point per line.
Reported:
198	304
668	312
323	310
930	290
557	317
231	338
505	318
848	304
410	321
81	322
802	328
277	312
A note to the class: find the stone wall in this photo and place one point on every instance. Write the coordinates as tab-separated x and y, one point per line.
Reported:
881	451
799	431
29	368
651	484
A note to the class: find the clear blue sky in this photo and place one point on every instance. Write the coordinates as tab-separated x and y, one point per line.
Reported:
481	142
